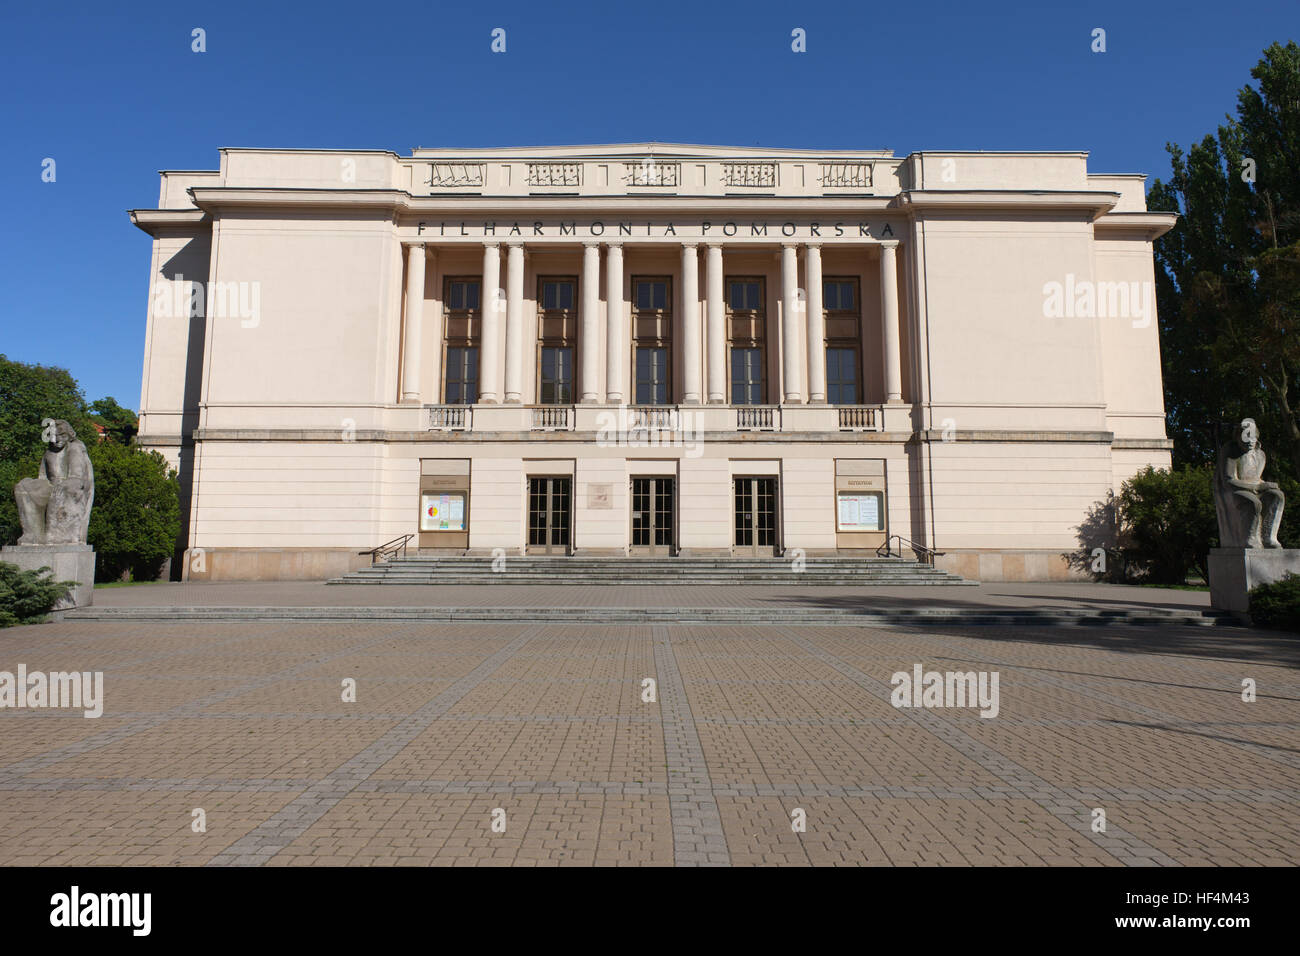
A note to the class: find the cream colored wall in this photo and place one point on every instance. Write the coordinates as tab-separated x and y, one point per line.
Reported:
1015	495
328	308
173	346
1130	343
995	360
973	170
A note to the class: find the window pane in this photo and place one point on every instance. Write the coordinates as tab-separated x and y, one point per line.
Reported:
471	295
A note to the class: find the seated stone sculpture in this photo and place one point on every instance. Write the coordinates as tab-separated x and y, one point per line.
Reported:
1248	507
54	507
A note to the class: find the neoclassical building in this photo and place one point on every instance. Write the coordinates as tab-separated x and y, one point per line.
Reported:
648	349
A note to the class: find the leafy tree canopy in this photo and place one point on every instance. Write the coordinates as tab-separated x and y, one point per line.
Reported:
1228	274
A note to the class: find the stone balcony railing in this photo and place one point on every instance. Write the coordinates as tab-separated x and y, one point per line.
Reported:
693	419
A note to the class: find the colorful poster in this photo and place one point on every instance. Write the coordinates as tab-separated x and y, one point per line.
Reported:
442	511
858	511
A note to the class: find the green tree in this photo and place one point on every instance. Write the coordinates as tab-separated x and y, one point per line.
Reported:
30	393
137	516
1228	274
120	424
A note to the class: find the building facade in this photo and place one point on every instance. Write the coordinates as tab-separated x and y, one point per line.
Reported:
648	349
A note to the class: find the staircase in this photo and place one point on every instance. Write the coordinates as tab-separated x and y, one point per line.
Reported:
851	572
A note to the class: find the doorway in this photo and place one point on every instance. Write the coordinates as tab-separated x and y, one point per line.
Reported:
754	516
654	513
548	515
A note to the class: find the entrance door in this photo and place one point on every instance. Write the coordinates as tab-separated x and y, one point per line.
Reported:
653	515
548	515
755	516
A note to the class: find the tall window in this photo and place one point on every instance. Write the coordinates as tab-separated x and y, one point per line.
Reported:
652	324
462	375
464	319
746	331
557	335
843	341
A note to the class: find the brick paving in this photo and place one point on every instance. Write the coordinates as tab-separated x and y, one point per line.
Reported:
543	726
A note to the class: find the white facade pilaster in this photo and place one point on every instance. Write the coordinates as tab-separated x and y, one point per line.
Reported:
889	322
489	389
414	321
514	323
691	367
616	360
589	336
717	326
816	324
791	310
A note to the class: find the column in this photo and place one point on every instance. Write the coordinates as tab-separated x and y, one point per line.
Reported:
717	319
434	323
812	272
615	360
514	322
889	322
589	337
413	321
691	368
790	314
489	386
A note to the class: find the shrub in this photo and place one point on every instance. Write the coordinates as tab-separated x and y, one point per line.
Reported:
1277	605
137	514
1167	524
27	596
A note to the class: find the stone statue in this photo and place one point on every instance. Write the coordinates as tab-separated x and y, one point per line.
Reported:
54	507
1249	508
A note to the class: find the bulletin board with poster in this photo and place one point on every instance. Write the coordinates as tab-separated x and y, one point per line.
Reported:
444	512
859	511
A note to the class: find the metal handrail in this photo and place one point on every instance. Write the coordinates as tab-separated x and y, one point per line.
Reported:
388	548
926	555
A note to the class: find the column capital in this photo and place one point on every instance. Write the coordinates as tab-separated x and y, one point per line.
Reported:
492	244
591	245
812	245
415	244
613	244
890	244
713	245
690	245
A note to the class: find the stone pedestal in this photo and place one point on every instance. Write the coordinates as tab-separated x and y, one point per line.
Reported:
68	562
1234	571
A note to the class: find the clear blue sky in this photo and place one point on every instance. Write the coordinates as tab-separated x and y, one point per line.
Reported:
113	93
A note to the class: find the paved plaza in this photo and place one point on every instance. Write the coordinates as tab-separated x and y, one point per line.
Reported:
545	730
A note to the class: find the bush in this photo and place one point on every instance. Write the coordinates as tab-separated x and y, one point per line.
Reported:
136	517
1277	605
27	596
1167	524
